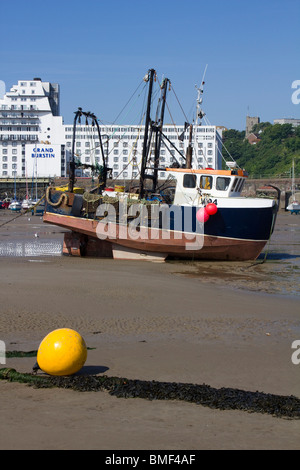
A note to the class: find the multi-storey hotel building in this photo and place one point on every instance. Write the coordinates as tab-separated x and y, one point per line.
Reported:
31	131
34	140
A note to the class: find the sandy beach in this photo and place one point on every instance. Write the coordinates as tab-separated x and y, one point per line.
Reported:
222	324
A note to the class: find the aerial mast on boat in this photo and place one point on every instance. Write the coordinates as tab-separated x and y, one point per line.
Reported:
199	116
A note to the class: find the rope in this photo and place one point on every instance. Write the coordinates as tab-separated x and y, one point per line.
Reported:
268	244
58	203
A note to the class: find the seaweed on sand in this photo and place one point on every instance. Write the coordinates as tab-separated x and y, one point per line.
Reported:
223	398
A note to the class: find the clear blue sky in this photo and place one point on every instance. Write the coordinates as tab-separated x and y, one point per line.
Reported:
99	50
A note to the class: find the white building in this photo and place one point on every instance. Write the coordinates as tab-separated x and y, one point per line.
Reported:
35	142
30	126
293	121
123	145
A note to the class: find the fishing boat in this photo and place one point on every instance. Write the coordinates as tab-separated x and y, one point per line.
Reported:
294	205
195	214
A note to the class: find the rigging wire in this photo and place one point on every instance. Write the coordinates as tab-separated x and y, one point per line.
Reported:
128	102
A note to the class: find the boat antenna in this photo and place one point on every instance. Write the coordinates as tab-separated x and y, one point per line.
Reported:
199	112
199	116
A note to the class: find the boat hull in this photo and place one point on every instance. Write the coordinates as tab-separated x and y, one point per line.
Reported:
236	232
88	237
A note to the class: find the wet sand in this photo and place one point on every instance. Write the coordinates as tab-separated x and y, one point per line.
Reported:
223	324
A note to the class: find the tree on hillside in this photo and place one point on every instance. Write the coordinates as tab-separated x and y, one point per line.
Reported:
273	155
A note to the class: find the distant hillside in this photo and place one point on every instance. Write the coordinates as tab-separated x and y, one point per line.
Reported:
272	156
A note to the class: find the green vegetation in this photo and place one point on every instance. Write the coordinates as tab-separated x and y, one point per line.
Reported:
272	156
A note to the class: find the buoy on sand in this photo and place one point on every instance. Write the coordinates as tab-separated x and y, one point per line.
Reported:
62	352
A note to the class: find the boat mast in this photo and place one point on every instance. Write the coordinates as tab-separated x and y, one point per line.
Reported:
72	162
158	131
199	112
150	78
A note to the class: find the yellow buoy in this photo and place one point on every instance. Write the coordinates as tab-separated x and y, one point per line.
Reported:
62	352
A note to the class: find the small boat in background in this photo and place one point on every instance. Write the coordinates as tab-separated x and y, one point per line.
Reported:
294	205
15	206
27	203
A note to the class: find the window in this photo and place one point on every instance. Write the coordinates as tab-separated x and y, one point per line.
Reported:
234	184
240	185
222	184
206	182
189	181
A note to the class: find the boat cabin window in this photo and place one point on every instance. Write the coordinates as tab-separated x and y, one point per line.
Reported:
240	185
206	182
234	184
222	183
189	181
